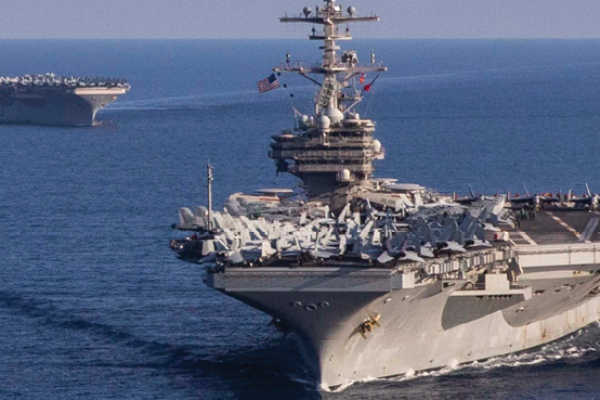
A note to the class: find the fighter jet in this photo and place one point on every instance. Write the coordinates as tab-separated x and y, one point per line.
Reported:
590	201
530	200
469	199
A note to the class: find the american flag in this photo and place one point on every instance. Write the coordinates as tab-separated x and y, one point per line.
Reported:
268	84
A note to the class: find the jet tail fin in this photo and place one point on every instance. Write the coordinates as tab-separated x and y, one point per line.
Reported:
303	218
471	191
418	200
186	218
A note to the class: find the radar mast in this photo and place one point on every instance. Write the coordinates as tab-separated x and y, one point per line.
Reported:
334	148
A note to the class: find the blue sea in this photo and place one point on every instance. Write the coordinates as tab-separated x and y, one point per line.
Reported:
93	305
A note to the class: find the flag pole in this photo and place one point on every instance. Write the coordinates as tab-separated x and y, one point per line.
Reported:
210	179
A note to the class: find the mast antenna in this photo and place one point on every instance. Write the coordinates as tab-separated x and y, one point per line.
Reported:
209	172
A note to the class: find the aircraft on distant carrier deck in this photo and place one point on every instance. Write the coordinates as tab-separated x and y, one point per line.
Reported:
529	200
590	200
56	100
469	199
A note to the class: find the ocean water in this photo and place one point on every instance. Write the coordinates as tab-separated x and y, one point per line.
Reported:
93	304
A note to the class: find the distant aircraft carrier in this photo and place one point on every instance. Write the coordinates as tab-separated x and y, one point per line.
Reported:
378	278
54	100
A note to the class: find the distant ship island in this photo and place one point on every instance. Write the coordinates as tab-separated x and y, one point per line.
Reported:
55	100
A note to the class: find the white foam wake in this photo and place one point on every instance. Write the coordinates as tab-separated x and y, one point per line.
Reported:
571	348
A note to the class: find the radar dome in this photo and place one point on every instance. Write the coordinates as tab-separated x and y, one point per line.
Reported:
335	115
351	10
306	122
344	175
376	146
324	122
307	11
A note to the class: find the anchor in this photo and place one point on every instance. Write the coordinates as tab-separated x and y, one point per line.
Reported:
368	326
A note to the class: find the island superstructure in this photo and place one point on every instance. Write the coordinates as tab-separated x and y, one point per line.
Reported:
377	278
54	100
335	147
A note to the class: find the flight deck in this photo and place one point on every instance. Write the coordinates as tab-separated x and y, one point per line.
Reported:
554	226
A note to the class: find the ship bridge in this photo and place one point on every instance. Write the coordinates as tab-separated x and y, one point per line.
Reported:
333	150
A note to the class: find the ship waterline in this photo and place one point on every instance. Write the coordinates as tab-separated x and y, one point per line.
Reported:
55	108
53	100
419	328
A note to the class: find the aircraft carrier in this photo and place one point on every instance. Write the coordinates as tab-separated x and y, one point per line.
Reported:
54	100
377	278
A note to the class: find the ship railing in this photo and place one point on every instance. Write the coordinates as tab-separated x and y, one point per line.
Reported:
558	255
333	168
332	140
284	66
514	286
302	66
333	155
481	287
364	133
473	286
558	248
341	141
493	258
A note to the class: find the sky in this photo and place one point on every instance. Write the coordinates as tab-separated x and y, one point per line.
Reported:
204	19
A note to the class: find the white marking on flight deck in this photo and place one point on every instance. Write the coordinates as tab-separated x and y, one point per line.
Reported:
510	239
589	230
517	238
528	238
564	224
508	226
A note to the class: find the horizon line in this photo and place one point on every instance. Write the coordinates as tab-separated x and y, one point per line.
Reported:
297	39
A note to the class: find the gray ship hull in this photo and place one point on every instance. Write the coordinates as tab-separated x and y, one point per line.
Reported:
421	281
55	108
422	326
